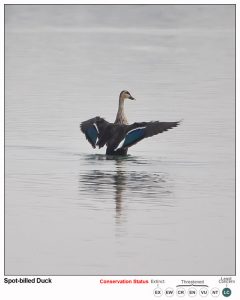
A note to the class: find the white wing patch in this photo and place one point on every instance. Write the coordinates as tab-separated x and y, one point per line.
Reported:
95	125
135	129
120	144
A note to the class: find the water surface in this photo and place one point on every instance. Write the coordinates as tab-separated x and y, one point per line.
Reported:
168	208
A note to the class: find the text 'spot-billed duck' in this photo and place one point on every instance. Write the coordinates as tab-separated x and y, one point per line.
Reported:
119	136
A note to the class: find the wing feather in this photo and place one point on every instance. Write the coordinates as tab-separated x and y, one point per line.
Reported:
138	131
93	129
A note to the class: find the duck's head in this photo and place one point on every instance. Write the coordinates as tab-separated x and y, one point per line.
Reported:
126	95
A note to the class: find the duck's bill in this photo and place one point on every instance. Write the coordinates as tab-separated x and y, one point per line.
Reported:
131	98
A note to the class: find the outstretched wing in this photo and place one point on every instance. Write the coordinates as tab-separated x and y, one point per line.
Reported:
93	129
138	131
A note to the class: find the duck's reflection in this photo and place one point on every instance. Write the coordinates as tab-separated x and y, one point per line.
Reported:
122	179
105	182
119	184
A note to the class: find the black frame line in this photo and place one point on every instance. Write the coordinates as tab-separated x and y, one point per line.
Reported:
235	116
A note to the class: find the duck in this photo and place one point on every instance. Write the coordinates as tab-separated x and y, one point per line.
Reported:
120	135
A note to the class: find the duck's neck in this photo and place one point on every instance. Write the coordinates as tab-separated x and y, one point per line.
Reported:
121	118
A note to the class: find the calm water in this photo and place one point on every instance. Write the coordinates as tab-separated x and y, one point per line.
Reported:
168	207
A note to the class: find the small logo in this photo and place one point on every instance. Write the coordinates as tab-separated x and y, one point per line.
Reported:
157	292
169	292
215	292
180	292
192	292
203	292
226	292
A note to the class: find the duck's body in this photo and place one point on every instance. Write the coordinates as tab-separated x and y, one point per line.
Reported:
119	136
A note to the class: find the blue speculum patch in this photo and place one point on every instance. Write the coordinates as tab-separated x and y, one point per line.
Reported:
92	134
133	136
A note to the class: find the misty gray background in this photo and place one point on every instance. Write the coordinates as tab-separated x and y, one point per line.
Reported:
166	209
